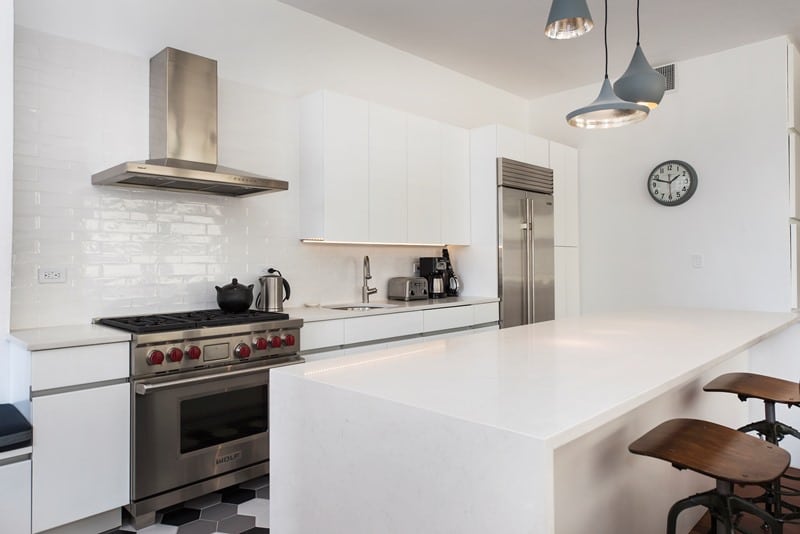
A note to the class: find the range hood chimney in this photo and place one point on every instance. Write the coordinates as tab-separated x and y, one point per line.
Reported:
183	135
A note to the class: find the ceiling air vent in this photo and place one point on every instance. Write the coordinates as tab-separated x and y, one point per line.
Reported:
668	72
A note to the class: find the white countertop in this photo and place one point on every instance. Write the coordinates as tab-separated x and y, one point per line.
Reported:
317	313
554	380
57	337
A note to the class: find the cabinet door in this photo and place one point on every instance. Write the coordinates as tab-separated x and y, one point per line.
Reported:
424	180
564	162
510	143
81	454
537	151
387	175
346	168
793	73
794	175
15	498
455	206
567	282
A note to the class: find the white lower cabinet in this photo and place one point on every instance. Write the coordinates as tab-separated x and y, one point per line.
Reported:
81	458
15	497
376	332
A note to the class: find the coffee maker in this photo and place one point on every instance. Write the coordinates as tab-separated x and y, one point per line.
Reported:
433	269
437	270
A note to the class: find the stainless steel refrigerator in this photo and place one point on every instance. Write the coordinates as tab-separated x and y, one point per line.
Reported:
525	243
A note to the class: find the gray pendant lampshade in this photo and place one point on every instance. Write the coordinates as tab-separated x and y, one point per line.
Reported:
607	110
641	83
568	19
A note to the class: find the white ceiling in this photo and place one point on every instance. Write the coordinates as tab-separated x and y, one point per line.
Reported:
502	42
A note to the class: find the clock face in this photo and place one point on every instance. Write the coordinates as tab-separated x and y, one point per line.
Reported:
672	183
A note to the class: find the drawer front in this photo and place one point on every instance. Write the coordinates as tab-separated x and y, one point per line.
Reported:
75	366
322	334
448	318
391	325
486	313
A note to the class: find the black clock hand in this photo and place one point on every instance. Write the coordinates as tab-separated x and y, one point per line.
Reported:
676	177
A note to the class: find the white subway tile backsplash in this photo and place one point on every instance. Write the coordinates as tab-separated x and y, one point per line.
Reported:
129	251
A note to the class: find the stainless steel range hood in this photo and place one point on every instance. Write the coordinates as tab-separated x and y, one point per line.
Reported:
183	135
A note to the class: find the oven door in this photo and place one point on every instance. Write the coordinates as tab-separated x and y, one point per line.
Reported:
195	426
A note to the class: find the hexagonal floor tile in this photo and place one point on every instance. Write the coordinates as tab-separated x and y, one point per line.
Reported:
236	495
180	517
201	526
236	524
258	508
218	512
256	483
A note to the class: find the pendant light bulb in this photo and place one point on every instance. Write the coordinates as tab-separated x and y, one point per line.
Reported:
607	110
568	19
641	83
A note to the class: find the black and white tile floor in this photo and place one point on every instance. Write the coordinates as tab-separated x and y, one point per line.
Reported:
242	509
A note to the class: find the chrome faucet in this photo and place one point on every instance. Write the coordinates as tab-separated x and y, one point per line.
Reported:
366	291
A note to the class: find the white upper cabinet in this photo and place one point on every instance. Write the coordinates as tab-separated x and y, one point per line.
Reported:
334	168
424	180
388	172
369	173
793	86
455	198
564	162
794	174
521	146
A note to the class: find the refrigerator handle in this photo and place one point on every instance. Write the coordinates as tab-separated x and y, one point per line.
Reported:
529	278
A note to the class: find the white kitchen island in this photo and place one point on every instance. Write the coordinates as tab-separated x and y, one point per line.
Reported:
523	430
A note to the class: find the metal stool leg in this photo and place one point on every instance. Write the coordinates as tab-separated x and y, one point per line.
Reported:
709	499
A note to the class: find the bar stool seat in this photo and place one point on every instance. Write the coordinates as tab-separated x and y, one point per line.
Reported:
766	388
726	455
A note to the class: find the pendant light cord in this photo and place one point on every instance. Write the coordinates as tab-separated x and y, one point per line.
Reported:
605	35
637	22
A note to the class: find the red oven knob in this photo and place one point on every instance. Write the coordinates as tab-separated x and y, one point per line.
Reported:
241	351
175	354
193	352
289	340
275	342
155	357
260	343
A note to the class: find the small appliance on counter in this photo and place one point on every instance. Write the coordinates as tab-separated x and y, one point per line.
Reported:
438	271
274	291
408	288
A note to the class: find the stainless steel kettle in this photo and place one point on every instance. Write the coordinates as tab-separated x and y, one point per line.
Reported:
274	290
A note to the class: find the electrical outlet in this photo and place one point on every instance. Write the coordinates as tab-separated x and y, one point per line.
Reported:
697	261
52	275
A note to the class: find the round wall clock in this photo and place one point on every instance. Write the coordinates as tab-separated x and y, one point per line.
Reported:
672	183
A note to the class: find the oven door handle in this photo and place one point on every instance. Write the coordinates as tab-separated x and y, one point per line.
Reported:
144	389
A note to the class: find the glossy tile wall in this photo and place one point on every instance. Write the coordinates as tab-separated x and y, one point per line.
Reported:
80	109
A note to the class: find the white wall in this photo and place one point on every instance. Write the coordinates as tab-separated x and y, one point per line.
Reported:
81	108
6	189
727	118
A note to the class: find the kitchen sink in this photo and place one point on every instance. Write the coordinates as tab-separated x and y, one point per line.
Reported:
359	307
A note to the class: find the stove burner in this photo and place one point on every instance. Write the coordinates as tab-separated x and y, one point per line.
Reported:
140	324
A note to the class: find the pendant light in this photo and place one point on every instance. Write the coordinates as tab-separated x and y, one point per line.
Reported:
608	110
641	83
568	19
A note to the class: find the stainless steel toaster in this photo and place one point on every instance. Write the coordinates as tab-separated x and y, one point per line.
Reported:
408	288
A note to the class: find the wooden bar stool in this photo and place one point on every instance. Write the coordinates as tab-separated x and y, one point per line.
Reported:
770	390
726	455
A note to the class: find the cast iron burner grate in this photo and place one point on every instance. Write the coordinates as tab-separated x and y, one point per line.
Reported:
140	324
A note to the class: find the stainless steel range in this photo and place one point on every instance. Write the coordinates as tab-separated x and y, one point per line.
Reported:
199	401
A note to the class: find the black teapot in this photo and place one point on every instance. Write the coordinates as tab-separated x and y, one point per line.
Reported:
234	297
